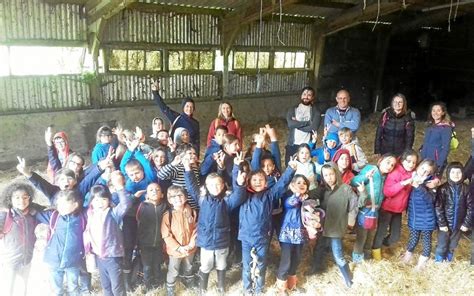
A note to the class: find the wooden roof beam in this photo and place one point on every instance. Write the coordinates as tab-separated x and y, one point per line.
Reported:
326	4
358	14
105	8
167	8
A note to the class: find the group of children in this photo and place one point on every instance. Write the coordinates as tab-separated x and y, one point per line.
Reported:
144	196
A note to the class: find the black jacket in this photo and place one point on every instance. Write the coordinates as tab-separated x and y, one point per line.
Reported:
454	206
149	219
394	133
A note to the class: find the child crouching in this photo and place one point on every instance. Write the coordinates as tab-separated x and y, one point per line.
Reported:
179	231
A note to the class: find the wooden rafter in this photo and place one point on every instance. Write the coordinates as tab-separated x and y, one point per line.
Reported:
105	8
166	8
357	14
326	4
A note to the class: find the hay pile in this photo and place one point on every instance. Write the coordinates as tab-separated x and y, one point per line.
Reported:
385	277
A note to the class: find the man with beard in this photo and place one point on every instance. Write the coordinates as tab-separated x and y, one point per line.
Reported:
302	120
342	115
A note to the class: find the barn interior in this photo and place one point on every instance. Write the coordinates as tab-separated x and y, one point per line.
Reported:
78	64
253	53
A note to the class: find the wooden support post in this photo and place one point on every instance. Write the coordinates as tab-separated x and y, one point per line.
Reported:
224	92
383	42
317	54
96	31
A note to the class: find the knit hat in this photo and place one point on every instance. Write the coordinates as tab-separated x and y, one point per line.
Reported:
177	135
332	137
186	100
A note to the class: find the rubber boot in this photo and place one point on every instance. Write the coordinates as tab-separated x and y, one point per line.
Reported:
439	258
346	273
407	257
357	258
189	281
292	284
450	257
203	281
377	254
127	281
170	289
221	282
282	287
148	278
421	262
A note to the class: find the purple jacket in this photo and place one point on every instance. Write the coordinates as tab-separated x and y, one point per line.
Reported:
112	237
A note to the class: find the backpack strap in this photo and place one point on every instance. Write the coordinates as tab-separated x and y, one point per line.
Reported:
52	224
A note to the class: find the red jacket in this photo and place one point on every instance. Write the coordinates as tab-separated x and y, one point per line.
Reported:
233	127
396	195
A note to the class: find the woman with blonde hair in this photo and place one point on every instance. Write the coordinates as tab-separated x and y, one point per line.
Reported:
226	118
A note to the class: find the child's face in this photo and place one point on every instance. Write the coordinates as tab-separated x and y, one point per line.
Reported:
176	199
219	136
162	138
424	170
409	164
215	186
299	186
20	200
329	176
343	162
59	143
258	182
157	125
65	182
303	155
135	173
66	207
331	144
154	193
232	148
76	164
268	166
191	153
455	175
100	203
387	164
185	137
159	158
345	138
437	113
105	138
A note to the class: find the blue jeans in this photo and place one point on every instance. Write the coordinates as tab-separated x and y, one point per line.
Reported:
319	256
110	270
72	280
261	250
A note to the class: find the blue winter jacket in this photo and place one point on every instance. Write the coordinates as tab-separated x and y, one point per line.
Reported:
213	230
65	248
319	152
421	209
255	216
179	120
99	152
148	171
436	143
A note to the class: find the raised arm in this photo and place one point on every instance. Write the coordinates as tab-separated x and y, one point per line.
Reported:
125	200
167	111
281	186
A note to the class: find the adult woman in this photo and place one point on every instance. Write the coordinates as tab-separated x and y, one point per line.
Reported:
226	118
184	119
396	129
437	136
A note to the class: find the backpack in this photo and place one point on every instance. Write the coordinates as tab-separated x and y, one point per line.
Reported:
454	143
54	220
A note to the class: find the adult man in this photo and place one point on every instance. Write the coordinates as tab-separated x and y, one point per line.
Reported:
302	120
342	115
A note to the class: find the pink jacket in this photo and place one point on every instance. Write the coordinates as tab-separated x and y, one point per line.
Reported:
396	195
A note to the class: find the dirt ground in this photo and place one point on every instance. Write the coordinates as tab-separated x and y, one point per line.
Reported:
385	277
